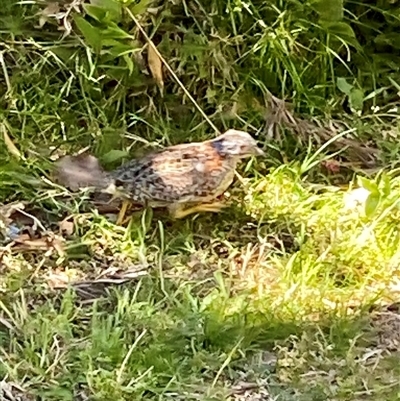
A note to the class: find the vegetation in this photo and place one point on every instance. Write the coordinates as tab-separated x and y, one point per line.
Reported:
288	294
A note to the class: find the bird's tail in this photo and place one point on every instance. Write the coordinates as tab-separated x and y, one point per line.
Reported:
81	171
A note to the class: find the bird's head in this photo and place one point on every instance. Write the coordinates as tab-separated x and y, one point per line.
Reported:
236	143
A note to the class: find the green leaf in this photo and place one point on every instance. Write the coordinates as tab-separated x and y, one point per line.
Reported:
394	83
129	62
356	99
388	39
58	393
344	86
114	155
95	12
386	185
91	34
113	31
64	53
371	204
209	300
112	8
330	10
369	185
141	7
375	93
118	49
111	43
342	30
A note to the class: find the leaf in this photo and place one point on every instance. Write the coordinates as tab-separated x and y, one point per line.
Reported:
114	155
140	7
47	243
386	185
95	12
210	94
208	300
119	49
63	52
330	10
344	86
333	166
342	30
50	11
91	34
10	144
66	227
155	66
112	8
371	186
375	93
388	39
113	31
372	204
394	83
129	63
356	99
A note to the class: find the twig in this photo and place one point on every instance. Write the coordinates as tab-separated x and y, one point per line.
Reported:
6	77
35	219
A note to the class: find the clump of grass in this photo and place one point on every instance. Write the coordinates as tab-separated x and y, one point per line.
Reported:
270	299
200	323
340	246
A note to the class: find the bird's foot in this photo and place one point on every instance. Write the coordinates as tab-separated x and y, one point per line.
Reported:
178	211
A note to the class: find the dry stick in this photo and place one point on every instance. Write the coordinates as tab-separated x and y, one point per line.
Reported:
171	71
5	73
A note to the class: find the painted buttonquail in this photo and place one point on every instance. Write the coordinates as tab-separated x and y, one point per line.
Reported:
186	178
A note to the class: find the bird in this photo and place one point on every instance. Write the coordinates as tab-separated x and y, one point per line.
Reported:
186	178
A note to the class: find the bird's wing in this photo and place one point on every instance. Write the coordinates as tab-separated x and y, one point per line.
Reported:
180	173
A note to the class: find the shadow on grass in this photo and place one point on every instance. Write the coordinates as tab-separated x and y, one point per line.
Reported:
179	333
156	338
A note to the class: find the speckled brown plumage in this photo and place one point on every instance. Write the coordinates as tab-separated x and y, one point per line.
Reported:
181	175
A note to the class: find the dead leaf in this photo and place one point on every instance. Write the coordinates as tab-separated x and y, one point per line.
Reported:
155	66
8	227
333	166
6	323
194	262
60	278
47	243
10	144
50	11
66	227
22	238
7	210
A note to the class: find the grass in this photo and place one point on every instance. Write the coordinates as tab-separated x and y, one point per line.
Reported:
288	294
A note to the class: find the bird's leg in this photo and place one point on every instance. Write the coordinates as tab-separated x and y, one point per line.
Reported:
117	194
178	211
122	212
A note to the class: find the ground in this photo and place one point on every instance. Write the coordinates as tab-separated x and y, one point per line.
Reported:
290	293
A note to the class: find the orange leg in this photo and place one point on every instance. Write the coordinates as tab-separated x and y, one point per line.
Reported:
121	215
178	211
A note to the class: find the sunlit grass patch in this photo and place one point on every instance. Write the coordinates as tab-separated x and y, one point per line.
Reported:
342	248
